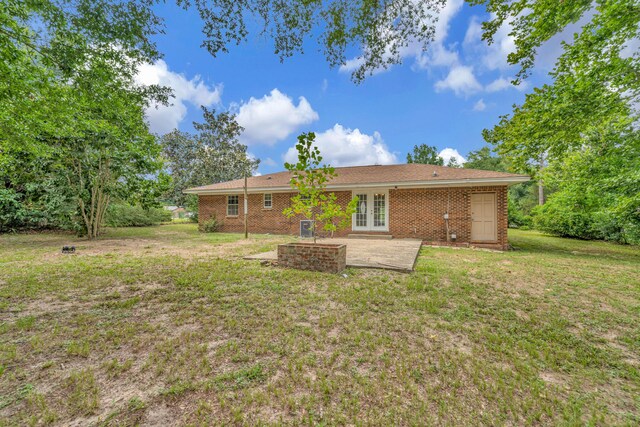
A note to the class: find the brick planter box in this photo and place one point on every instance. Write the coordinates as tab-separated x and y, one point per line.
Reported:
331	258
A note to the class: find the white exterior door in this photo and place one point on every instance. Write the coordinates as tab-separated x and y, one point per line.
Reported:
483	217
372	213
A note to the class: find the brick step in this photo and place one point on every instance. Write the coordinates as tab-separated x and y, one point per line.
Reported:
370	236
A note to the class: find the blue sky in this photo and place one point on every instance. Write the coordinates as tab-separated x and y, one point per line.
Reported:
443	97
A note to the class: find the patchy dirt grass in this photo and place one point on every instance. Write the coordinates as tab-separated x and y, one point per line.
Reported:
166	326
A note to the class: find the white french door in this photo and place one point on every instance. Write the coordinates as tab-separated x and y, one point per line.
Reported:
372	213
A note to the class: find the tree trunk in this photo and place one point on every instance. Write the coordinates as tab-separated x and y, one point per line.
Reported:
540	184
313	226
540	192
92	210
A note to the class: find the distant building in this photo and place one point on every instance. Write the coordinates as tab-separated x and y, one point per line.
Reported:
178	212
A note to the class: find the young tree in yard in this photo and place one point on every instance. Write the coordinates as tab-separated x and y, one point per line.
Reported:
426	155
312	201
211	155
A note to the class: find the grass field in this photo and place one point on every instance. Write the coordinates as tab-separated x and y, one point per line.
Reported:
165	326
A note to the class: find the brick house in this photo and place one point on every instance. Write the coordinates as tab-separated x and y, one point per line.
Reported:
437	204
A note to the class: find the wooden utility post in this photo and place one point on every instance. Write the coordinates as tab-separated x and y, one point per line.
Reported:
246	207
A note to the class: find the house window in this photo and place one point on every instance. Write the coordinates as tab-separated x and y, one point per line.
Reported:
232	205
379	210
268	201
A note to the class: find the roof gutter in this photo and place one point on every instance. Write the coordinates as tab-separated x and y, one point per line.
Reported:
468	182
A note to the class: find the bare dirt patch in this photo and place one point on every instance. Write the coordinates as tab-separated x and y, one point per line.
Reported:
554	378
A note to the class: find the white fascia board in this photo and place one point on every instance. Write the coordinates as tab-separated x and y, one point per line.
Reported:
239	190
469	182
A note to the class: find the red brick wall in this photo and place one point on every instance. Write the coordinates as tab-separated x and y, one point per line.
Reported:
414	213
260	220
305	256
419	213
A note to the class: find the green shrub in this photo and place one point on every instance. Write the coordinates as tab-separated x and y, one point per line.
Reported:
123	215
517	219
610	225
37	207
568	215
191	204
12	212
211	225
587	217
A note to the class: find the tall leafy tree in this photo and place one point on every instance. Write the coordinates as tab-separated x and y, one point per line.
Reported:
213	154
595	82
381	28
585	120
597	194
68	101
484	159
425	154
44	44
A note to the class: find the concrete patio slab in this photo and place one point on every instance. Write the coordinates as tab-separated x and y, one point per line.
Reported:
394	254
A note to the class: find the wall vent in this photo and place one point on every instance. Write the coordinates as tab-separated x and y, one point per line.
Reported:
306	228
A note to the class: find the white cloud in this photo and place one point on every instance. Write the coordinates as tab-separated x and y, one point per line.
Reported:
325	85
473	34
341	146
480	105
460	80
491	56
163	119
438	54
497	52
273	118
448	12
502	83
351	65
269	162
498	85
448	153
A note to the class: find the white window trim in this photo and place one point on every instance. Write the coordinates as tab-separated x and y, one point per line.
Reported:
264	201
237	204
370	196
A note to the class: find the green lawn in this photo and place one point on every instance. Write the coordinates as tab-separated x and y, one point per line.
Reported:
166	326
